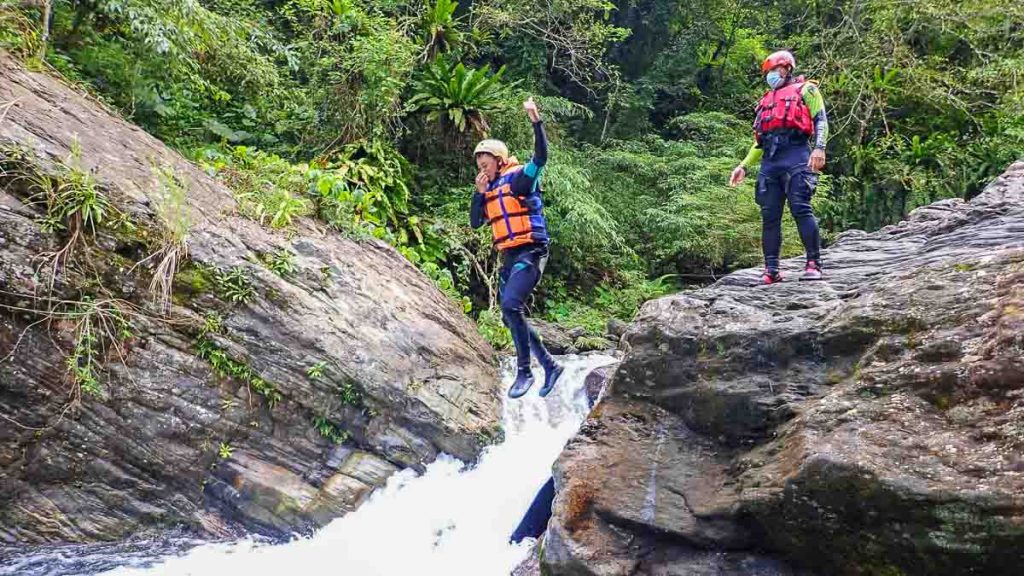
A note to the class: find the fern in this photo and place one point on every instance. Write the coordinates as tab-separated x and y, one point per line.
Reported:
459	95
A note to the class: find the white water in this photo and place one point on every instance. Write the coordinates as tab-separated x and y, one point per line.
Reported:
451	520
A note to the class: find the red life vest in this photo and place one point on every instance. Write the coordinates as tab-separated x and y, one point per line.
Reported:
513	222
783	109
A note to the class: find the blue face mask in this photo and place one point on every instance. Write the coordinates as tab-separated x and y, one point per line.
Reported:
774	79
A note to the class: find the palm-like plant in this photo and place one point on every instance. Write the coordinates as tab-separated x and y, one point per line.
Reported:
459	95
441	28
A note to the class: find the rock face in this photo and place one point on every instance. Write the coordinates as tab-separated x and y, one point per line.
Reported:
273	403
556	339
869	424
559	340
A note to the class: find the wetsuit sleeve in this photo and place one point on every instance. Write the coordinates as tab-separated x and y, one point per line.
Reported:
816	105
540	146
753	156
526	181
476	210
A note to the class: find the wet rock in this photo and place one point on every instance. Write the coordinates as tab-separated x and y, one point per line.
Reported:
596	381
638	492
867	424
530	566
354	346
577	332
556	339
617	327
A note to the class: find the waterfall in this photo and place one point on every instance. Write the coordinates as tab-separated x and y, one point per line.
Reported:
451	520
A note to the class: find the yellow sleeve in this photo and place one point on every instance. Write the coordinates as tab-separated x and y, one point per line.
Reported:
753	155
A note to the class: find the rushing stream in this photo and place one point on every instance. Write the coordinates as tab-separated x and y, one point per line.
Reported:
452	519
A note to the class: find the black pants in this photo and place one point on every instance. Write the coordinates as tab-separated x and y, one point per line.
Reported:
521	270
535	522
785	176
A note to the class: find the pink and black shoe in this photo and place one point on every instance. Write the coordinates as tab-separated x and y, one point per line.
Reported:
812	271
770	277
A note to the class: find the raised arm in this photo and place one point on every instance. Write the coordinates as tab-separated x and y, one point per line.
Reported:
527	180
540	150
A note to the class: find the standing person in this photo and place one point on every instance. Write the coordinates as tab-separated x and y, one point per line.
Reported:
786	119
508	197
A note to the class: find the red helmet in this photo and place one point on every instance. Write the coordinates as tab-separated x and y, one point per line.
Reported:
782	57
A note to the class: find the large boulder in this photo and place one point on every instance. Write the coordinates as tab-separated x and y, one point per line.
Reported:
259	401
556	339
872	423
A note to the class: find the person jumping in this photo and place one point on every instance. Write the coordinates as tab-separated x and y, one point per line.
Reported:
508	197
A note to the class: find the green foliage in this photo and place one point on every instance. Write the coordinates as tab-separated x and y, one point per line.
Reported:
936	117
280	262
74	201
441	28
176	66
591	343
919	98
226	367
355	64
351	394
83	362
363	115
460	96
224	451
326	275
172	206
269	189
592	309
335	434
364	190
589	230
212	324
361	190
233	284
316	371
98	327
654	207
20	28
574	33
428	262
493	329
82	365
173	212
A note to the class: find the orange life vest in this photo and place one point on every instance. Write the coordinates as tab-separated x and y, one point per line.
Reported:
515	220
